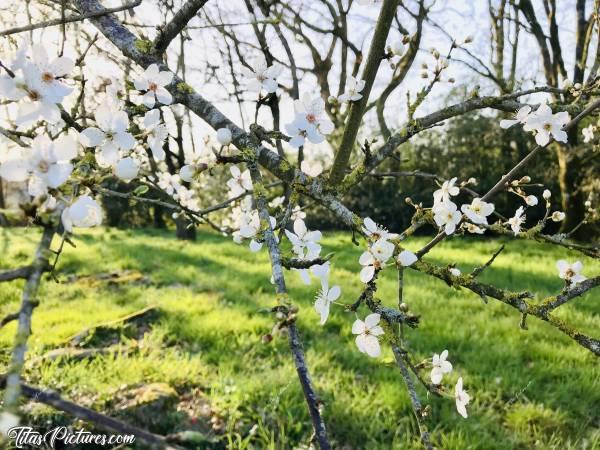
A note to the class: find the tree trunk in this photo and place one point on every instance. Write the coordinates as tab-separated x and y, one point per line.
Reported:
570	177
158	219
185	230
3	220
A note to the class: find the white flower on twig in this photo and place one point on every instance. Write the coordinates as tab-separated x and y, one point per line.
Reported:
478	211
447	190
110	135
157	133
375	259
546	125
239	182
521	117
440	367
325	298
375	232
517	220
588	133
261	77
353	90
446	215
571	273
407	258
309	122
461	397
153	81
85	212
367	332
46	164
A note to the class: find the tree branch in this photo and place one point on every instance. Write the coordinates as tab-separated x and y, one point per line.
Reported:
28	303
64	20
357	109
187	12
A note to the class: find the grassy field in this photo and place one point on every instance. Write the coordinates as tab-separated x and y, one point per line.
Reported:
197	361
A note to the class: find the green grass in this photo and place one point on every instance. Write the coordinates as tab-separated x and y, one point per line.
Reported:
530	389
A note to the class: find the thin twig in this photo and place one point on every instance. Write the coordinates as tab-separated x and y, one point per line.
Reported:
64	20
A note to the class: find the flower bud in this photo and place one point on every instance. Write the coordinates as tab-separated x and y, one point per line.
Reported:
558	216
224	136
127	169
187	172
546	194
531	200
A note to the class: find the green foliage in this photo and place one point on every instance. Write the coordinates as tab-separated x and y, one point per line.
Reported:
530	389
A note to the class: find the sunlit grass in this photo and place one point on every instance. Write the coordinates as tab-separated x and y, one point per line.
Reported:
530	389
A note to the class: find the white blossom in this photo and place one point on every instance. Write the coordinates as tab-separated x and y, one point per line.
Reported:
250	227
187	173
446	215
447	190
239	182
588	133
478	211
153	81
374	231
406	258
84	212
157	133
546	125
570	272
473	229
531	200
440	367
127	169
353	90
375	259
302	239
461	397
261	77
546	194
521	117
110	135
312	169
455	272
325	298
517	220
309	122
46	164
367	333
557	216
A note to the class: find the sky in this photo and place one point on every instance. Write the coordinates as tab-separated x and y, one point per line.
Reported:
459	18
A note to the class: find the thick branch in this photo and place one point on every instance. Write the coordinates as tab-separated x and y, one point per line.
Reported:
104	422
575	291
293	336
28	303
357	109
